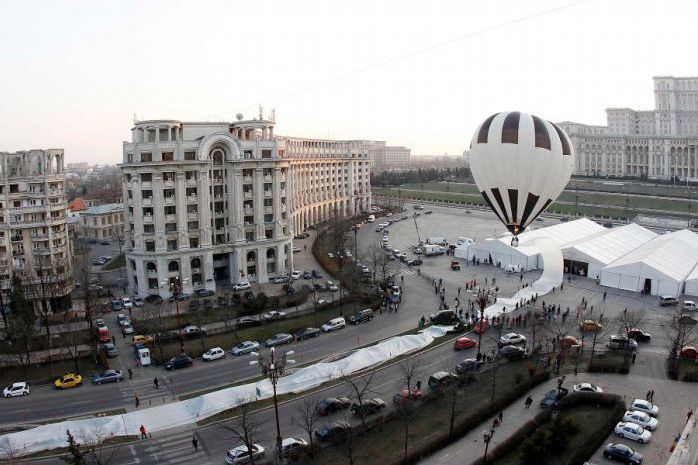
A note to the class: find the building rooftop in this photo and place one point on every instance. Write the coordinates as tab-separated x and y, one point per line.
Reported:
102	209
77	205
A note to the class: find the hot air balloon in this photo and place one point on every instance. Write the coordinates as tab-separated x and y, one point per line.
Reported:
521	163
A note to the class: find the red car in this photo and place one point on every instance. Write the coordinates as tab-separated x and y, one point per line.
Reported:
481	326
403	396
689	352
569	341
463	343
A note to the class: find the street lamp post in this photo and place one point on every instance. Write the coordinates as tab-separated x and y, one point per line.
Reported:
274	367
487	437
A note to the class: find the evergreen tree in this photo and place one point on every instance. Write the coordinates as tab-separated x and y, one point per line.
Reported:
20	307
75	454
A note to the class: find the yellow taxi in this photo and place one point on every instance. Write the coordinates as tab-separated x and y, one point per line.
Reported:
140	339
590	325
68	380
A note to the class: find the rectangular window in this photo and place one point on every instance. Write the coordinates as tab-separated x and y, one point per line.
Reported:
148	229
249	236
269	233
193	242
172	245
192	225
150	246
167	156
146	177
146	157
266	153
190	156
147	194
170	210
170	227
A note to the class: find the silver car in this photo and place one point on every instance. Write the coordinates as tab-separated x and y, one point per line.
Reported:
279	339
245	348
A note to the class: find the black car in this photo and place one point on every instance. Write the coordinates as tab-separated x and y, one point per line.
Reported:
205	292
307	275
444	317
153	299
247	321
639	335
512	352
307	333
622	453
469	364
332	404
333	432
417	261
553	397
316	274
166	336
178	361
361	316
428	212
368	407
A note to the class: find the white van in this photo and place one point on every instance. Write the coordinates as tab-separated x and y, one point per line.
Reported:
430	250
144	356
371	218
436	240
621	342
667	300
690	306
464	240
334	324
513	268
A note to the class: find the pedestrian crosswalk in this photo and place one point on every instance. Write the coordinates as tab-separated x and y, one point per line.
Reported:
148	395
174	449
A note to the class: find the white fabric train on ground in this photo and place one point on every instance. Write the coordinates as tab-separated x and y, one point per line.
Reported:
53	436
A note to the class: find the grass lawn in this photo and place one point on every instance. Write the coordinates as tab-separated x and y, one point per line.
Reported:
46	373
688	370
384	443
118	262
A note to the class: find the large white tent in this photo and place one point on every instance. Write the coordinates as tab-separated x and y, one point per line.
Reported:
659	266
500	250
598	250
692	282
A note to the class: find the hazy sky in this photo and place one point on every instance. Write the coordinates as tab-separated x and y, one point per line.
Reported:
418	73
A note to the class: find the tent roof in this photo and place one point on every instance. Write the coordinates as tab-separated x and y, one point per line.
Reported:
693	275
504	245
675	255
610	244
563	233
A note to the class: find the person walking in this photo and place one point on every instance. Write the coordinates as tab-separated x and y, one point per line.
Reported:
500	416
652	396
143	432
528	402
137	399
156	383
402	280
689	415
459	292
195	443
113	339
419	385
647	396
604	296
130	374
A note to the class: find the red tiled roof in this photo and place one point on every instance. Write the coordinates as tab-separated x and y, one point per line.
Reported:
77	205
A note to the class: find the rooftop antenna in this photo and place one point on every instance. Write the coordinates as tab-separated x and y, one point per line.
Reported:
261	110
273	114
135	119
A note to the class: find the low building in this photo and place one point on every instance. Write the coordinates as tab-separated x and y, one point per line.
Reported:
103	222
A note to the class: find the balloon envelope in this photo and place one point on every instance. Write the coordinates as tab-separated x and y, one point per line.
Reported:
521	163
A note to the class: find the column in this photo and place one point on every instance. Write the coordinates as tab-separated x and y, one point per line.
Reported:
204	207
180	202
276	198
234	266
262	265
209	281
259	202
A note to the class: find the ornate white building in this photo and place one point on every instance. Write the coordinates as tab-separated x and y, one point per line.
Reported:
659	144
213	201
33	230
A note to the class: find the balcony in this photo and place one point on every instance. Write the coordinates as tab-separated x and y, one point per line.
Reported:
218	196
170	200
148	219
190	182
247	179
282	192
171	217
283	207
168	183
192	199
219	212
41	251
267	178
282	178
267	194
268	210
147	202
17	238
129	185
249	211
193	216
151	274
218	180
247	195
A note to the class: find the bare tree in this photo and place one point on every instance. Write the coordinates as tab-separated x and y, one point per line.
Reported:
244	427
361	389
596	337
679	334
482	299
21	324
308	418
561	329
9	450
409	372
94	445
627	321
89	295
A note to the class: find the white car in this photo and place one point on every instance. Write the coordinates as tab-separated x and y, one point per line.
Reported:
297	274
582	388
690	306
245	348
334	324
290	445
512	338
632	431
126	327
642	419
241	454
192	329
126	302
242	286
273	315
644	406
138	302
213	354
16	390
121	318
332	286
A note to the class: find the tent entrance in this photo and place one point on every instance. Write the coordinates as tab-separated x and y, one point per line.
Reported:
647	288
577	268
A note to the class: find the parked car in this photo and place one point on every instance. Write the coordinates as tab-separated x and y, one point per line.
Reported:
296	274
126	302
687	320
100	323
361	316
280	279
441	379
622	453
247	321
110	350
368	407
245	348
241	454
109	376
642	405
307	333
316	274
444	317
689	306
404	396
16	389
242	286
642	419
205	292
292	448
455	265
590	325
334	324
67	381
332	287
333	432
667	300
469	364
332	404
512	352
179	361
307	275
126	328
153	299
273	315
463	343
137	302
582	388
214	353
689	352
632	431
552	397
639	335
570	341
116	306
279	339
511	339
192	330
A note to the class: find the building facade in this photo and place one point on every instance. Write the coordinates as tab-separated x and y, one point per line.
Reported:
103	222
659	144
34	240
221	201
387	157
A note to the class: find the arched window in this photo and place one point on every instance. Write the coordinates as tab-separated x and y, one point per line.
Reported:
173	266
271	253
251	256
217	155
150	266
